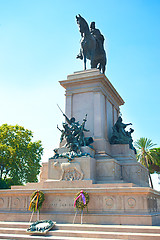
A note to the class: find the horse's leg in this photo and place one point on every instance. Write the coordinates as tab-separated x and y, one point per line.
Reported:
85	60
104	62
99	66
93	64
103	69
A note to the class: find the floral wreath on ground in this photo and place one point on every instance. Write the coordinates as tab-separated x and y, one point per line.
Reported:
81	200
37	199
41	226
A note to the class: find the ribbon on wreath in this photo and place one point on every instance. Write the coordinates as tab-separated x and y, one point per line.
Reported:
36	196
83	198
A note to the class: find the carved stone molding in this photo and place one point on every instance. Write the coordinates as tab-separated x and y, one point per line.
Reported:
131	202
16	203
109	202
1	202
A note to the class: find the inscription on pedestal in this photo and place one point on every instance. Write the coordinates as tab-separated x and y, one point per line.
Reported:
58	204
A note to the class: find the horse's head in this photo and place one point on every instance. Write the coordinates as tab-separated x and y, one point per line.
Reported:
78	18
83	25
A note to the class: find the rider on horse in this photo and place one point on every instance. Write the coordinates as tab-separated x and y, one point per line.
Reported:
92	42
97	35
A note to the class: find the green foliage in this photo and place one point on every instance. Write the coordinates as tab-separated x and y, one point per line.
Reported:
19	156
7	183
148	155
3	184
155	166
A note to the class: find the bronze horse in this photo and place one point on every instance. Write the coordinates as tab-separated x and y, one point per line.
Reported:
91	47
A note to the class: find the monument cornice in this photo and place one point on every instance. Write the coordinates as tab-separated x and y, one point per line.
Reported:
96	190
85	81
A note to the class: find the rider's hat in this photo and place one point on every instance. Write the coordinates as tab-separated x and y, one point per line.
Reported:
92	25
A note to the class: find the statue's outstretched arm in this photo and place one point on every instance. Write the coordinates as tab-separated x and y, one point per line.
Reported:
128	124
67	119
59	128
85	130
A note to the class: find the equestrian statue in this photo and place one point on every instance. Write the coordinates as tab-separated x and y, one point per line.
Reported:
92	45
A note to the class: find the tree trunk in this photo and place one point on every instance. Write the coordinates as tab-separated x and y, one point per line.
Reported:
148	171
1	171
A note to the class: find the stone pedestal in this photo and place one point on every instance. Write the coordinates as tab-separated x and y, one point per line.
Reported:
91	92
78	169
108	170
117	184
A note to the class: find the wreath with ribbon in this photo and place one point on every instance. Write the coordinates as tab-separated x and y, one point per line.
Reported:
37	199
81	200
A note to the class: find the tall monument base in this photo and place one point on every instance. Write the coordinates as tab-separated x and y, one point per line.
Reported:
115	202
117	184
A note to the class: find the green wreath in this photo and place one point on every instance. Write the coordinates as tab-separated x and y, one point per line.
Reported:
78	200
37	199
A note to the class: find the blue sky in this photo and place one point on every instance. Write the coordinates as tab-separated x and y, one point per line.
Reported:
39	41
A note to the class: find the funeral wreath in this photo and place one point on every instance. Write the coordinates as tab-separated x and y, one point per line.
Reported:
41	226
81	200
37	199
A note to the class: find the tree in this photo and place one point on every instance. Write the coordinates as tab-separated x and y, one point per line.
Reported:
147	155
19	156
155	166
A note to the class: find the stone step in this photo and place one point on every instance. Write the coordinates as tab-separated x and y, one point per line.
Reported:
26	237
88	227
17	230
109	228
14	224
14	230
88	235
105	235
118	183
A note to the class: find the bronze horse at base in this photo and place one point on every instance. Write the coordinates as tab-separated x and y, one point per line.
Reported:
91	47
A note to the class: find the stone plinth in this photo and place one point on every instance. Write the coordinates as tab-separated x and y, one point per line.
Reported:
131	170
91	92
108	170
122	152
102	169
78	169
108	205
135	172
85	149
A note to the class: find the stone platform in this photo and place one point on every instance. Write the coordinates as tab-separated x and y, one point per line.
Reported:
112	203
117	184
